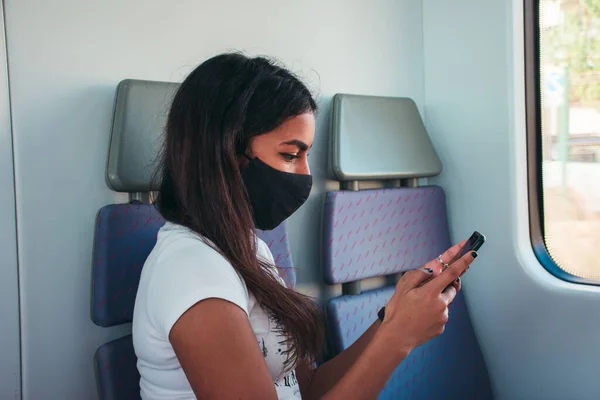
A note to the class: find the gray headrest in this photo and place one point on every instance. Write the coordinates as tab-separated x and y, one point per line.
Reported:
141	110
380	138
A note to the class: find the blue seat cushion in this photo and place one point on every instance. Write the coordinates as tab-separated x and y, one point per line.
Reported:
449	366
380	232
116	371
125	235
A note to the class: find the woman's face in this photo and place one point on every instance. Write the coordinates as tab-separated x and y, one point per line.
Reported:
286	147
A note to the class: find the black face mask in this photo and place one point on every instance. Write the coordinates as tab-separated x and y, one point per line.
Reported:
274	194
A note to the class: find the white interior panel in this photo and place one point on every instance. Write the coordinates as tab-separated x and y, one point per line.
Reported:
10	375
538	333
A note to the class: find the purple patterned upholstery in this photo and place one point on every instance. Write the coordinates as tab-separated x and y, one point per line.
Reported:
125	235
348	317
450	366
379	232
279	244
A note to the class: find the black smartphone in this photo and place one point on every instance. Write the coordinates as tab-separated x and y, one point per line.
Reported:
473	244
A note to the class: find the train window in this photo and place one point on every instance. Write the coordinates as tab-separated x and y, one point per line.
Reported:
563	126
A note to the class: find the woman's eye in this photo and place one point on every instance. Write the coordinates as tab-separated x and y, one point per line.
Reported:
289	157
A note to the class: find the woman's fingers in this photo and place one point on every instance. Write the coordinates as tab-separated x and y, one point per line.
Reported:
457	284
450	274
449	294
435	271
413	279
446	256
453	251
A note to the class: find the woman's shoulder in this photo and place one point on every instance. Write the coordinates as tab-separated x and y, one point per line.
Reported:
181	243
183	269
179	250
174	239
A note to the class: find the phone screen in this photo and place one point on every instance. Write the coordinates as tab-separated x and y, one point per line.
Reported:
473	244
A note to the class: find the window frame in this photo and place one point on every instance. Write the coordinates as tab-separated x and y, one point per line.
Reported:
533	114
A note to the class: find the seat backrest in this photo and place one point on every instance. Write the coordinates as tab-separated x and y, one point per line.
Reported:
380	232
115	365
126	233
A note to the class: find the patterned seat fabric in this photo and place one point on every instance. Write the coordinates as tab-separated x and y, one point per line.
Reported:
380	232
450	366
125	235
279	244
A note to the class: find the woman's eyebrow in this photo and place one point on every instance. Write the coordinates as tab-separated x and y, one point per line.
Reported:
300	144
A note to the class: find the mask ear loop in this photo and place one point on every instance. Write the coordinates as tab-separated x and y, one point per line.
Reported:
250	159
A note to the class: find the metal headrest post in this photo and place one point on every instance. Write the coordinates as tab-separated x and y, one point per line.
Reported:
350	185
351	288
410	182
140	196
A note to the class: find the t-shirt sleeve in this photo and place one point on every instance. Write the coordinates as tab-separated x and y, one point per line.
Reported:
186	275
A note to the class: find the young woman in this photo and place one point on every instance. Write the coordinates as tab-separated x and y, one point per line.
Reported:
213	319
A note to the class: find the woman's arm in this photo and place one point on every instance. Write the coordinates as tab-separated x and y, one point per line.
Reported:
217	349
316	382
366	378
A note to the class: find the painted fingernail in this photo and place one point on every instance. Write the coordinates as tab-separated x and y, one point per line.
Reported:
429	270
458	280
474	254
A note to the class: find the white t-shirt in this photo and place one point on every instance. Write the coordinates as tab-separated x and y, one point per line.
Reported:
180	271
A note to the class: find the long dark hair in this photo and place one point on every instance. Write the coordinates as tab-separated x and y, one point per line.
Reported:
219	107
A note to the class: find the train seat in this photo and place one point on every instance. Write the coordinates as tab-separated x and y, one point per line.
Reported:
382	232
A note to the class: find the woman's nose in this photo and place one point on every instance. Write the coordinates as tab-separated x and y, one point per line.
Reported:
303	168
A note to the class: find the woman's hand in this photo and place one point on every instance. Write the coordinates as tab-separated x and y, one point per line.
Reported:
418	310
